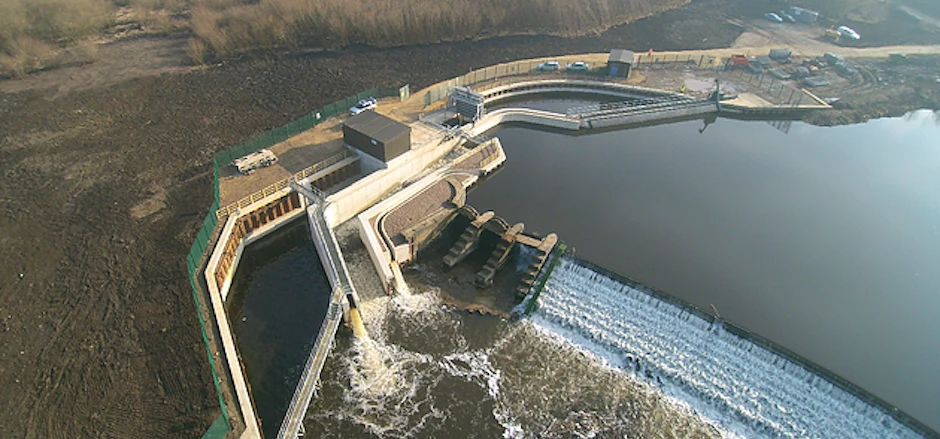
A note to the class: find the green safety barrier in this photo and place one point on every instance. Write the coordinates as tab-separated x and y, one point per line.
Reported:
222	424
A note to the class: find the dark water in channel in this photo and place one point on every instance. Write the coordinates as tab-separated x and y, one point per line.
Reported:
824	240
277	303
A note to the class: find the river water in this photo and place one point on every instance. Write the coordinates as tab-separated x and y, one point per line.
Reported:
824	240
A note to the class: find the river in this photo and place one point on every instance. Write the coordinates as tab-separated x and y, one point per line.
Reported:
824	240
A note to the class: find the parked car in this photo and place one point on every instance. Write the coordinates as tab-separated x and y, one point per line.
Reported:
847	32
755	68
773	17
548	66
579	66
786	17
363	105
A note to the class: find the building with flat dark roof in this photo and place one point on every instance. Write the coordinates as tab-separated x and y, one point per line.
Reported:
377	135
620	62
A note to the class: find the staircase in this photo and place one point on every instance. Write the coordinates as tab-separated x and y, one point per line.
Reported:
541	254
468	241
499	257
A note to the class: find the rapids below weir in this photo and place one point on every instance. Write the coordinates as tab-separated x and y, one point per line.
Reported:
427	371
748	390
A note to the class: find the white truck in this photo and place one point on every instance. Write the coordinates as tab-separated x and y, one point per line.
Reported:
255	160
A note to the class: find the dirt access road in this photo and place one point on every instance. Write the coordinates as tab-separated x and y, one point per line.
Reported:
105	176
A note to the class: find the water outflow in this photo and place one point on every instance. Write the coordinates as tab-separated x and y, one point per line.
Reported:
355	320
744	388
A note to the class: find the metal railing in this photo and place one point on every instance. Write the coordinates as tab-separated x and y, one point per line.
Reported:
228	209
197	251
644	109
309	379
586	111
306	387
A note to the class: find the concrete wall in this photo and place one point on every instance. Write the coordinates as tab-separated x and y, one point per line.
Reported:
369	220
258	220
348	202
535	117
370	227
219	291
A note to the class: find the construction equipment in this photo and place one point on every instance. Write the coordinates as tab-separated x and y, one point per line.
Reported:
247	164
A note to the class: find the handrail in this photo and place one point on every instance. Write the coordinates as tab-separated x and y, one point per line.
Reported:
305	390
228	209
300	401
644	109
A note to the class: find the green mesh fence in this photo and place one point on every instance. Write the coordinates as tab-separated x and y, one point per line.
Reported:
222	424
306	122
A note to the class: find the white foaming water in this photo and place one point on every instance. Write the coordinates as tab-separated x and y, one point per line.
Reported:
747	390
391	387
476	367
387	393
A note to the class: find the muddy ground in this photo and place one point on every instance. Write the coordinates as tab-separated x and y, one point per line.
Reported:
105	182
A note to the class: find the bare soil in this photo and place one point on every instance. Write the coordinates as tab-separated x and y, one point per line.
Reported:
106	177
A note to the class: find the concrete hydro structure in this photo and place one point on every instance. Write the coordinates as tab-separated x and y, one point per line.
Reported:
403	178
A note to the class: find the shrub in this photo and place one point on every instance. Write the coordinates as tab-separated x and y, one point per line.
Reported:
24	55
196	49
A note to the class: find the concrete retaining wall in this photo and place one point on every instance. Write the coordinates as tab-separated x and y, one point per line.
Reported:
348	202
496	94
379	252
219	292
524	115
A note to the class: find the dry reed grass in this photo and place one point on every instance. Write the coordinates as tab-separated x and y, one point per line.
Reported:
33	29
229	26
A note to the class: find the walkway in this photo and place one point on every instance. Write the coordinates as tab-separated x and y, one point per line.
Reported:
332	259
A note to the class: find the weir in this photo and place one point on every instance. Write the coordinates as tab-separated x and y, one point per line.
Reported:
749	385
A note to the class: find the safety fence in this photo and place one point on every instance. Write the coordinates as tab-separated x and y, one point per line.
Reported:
223	424
496	73
491	73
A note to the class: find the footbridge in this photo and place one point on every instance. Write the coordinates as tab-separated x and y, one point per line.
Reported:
332	259
640	111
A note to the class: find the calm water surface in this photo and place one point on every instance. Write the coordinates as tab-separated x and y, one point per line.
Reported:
278	301
825	240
